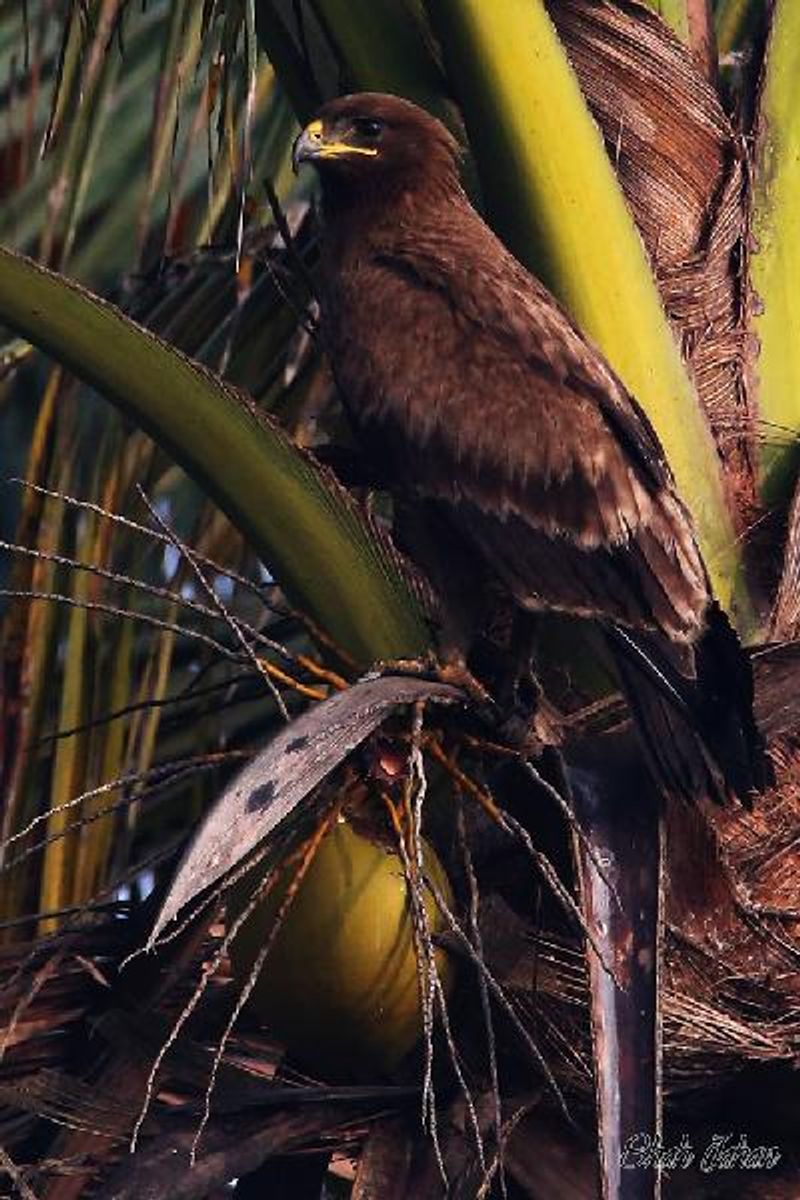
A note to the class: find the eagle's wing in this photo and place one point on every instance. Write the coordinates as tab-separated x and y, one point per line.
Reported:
483	395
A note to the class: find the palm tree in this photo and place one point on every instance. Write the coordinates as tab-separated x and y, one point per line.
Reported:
183	576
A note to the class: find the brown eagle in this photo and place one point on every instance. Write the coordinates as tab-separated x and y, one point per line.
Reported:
473	391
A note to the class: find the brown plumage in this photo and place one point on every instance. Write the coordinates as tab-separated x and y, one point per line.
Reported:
473	391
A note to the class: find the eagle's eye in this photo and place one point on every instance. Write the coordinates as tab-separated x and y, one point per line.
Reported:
368	127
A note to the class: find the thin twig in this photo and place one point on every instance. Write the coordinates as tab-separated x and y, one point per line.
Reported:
187	695
114	610
164	772
575	826
500	996
209	969
15	1174
218	603
145	530
475	930
309	854
279	217
549	874
150	589
98	814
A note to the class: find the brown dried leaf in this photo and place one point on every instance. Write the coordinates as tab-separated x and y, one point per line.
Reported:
777	702
682	168
385	1162
227	1153
785	618
279	778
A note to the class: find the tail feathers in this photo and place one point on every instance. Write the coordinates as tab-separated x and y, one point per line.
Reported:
725	706
693	708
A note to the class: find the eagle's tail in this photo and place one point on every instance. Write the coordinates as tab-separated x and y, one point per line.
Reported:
693	708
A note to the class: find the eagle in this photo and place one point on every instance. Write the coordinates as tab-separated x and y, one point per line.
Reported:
474	394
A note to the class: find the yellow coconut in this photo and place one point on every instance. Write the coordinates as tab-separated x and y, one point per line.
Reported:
339	986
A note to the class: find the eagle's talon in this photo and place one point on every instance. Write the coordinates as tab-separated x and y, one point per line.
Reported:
459	675
422	668
453	671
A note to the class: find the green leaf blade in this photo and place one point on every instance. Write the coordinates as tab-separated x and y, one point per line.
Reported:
775	261
565	217
306	529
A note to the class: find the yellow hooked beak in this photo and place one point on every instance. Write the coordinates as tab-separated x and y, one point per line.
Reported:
313	145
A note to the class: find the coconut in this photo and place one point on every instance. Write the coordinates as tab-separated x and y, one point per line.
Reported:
340	984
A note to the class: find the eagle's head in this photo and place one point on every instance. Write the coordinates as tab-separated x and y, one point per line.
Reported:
370	139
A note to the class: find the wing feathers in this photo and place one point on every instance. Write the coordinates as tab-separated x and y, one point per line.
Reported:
483	395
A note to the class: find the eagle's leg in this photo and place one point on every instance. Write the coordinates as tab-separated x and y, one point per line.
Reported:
527	719
423	532
517	689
